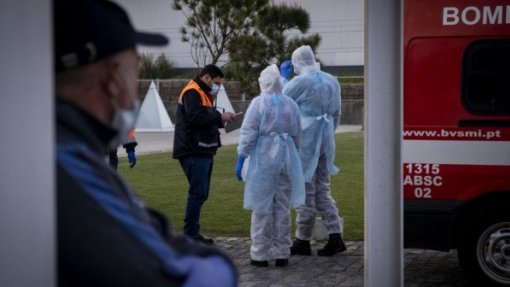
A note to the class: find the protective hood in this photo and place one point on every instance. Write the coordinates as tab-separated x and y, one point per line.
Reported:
303	60
270	81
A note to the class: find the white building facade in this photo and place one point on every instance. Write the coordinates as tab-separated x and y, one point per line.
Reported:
338	22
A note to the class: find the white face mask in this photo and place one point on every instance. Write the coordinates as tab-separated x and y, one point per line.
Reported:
123	121
214	89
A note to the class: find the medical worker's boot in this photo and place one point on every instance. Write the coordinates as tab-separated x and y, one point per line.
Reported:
263	263
301	247
335	245
282	262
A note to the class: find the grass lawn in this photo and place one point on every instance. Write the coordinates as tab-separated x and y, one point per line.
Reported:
159	180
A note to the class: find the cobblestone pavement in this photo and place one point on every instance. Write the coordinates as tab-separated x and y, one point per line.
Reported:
422	268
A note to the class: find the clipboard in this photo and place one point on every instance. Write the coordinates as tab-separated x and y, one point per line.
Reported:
234	125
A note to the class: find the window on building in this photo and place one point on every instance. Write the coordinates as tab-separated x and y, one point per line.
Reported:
486	77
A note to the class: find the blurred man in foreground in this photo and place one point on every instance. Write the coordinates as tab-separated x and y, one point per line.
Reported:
106	237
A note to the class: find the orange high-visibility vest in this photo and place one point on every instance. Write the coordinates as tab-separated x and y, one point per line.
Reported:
207	100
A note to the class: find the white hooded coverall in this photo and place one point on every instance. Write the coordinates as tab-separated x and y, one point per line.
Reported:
318	96
269	135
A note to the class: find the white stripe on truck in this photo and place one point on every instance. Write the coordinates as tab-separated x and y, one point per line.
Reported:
456	152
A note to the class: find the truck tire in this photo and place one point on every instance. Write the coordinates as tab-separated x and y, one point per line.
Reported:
484	249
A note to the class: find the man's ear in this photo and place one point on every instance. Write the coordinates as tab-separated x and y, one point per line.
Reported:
112	81
206	79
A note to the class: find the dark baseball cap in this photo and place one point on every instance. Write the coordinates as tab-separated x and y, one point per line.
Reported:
87	31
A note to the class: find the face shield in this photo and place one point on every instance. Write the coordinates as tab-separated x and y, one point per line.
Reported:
270	81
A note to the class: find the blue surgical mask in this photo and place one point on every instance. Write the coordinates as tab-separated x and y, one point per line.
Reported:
214	89
123	121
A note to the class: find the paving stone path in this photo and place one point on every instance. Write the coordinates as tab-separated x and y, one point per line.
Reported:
423	268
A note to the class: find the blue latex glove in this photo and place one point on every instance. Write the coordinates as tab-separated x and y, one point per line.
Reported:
239	167
131	158
286	69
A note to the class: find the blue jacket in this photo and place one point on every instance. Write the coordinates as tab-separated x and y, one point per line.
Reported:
106	237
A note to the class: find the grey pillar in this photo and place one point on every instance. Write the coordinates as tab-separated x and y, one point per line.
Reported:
383	194
27	201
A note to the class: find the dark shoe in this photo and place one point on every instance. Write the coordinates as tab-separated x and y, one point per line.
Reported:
281	262
335	245
256	263
204	240
301	247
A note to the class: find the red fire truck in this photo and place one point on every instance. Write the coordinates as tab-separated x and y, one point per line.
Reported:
456	132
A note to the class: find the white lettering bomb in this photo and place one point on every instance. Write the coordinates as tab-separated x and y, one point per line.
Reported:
473	15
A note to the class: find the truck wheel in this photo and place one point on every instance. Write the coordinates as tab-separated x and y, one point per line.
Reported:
484	250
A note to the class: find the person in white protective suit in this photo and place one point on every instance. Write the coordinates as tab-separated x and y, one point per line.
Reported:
269	136
318	96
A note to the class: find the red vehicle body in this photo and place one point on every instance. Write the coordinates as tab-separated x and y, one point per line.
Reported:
456	137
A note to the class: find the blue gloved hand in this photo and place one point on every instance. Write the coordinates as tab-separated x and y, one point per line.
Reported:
131	158
286	69
239	167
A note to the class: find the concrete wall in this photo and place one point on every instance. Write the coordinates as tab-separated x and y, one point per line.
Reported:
28	246
352	98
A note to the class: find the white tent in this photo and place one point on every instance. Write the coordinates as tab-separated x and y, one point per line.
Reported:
222	102
153	116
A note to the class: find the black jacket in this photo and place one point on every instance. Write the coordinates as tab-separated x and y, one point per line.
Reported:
196	127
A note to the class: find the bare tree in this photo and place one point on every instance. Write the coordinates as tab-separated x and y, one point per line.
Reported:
212	24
